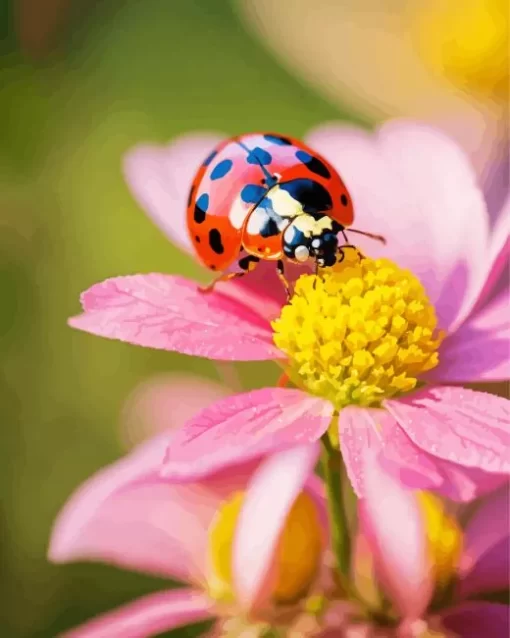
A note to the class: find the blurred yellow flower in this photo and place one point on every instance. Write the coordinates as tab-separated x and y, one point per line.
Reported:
298	554
468	46
444	536
445	62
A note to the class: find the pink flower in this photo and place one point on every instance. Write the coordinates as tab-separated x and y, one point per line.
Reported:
409	183
163	403
400	541
129	516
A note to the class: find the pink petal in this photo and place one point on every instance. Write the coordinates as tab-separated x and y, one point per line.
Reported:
142	464
269	498
416	469
261	289
480	349
160	179
495	179
414	185
170	313
149	527
476	619
485	562
165	402
497	259
458	425
394	526
148	616
359	431
244	427
126	515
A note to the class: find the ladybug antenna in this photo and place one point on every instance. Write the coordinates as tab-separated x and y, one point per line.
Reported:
371	235
270	179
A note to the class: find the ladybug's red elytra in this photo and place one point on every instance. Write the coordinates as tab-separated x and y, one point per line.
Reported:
265	196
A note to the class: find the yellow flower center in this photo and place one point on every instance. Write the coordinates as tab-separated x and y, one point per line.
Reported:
360	333
296	559
468	43
444	537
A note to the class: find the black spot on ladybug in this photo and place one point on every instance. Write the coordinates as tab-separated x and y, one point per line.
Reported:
221	169
209	158
215	241
278	139
312	196
269	229
244	263
197	239
344	199
313	164
259	156
212	267
201	206
190	196
198	215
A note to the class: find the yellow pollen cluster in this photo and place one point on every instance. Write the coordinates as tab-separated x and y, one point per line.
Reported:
361	332
444	536
296	559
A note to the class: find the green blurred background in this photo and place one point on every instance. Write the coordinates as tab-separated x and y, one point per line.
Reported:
80	83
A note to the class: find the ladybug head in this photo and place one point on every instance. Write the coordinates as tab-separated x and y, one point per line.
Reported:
309	237
323	248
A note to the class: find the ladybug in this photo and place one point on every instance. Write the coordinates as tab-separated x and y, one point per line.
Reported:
267	197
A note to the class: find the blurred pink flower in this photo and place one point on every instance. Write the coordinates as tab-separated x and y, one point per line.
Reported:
127	515
165	402
393	522
413	185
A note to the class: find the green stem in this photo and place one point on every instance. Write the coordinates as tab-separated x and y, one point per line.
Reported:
340	539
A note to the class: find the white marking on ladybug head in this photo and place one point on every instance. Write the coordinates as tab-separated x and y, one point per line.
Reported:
301	253
311	227
316	243
289	233
283	203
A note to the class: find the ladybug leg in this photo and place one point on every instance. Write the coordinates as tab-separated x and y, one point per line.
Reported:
226	276
341	252
281	276
316	274
246	264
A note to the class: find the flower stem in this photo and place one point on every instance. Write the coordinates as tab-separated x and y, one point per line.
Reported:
340	539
